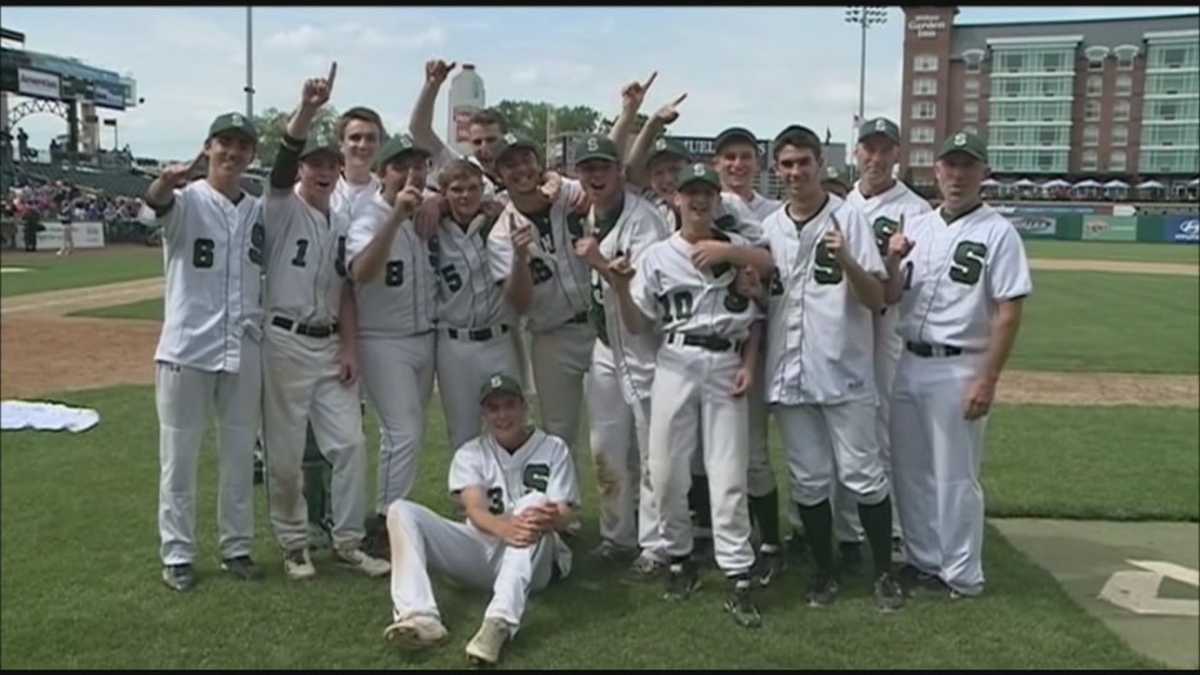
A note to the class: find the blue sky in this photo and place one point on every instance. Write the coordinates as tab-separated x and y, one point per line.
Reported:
760	67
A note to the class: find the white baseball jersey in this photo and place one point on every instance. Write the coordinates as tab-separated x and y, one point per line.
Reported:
750	215
820	337
468	297
884	210
213	253
561	279
403	300
664	207
955	275
669	289
543	464
638	226
306	258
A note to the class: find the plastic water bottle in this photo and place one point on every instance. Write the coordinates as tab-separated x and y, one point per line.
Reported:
466	98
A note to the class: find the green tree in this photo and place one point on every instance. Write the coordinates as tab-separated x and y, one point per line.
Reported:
530	119
272	122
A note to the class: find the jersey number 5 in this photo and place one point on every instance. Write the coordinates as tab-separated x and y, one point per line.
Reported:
452	279
969	257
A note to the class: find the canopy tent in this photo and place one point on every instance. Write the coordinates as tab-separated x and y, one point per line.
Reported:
1025	182
1089	183
1150	185
1117	184
990	182
1056	183
1194	182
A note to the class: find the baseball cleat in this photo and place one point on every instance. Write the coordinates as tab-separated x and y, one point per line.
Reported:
768	566
915	582
298	565
647	568
682	580
609	552
358	560
889	596
484	648
822	591
416	632
740	605
179	577
242	567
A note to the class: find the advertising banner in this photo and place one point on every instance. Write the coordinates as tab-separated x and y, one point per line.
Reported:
38	84
1109	228
1039	226
84	235
1182	229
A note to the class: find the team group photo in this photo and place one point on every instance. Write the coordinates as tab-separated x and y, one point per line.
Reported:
437	389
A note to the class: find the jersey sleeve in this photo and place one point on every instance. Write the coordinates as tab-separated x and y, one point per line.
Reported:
861	240
362	230
464	468
279	209
564	485
643	289
650	228
499	247
172	221
1008	271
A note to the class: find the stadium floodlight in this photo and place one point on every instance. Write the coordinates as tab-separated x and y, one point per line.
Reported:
865	16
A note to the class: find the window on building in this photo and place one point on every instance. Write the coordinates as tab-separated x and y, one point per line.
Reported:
1052	62
1091	111
925	63
1120	134
1048	136
920	158
971	87
1091	135
1116	161
971	66
1095	85
924	110
1120	111
1011	88
921	134
1013	62
1125	59
1089	161
1046	161
1124	85
1168	110
924	86
1174	57
1096	65
970	111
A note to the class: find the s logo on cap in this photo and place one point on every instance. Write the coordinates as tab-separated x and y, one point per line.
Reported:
960	138
509	139
592	145
697	169
496	381
237	119
880	125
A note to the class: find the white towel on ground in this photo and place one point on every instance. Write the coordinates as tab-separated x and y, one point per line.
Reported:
16	415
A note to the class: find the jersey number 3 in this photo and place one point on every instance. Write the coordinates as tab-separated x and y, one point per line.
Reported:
969	257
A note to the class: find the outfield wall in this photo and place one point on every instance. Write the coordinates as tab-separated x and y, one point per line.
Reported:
1087	223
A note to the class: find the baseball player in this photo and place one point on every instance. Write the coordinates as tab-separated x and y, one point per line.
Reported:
359	132
820	364
885	203
474	321
532	252
519	488
619	224
208	355
310	350
960	275
737	163
486	130
395	290
705	366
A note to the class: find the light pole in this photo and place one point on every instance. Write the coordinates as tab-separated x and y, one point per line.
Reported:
249	66
865	16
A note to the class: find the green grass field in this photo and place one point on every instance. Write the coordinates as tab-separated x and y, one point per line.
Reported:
1110	250
1107	322
48	272
151	310
81	588
1124	463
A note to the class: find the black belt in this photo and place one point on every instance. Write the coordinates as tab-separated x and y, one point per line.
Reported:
927	350
713	343
481	335
581	317
303	328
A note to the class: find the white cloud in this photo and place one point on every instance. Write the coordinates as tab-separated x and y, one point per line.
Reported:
302	37
552	73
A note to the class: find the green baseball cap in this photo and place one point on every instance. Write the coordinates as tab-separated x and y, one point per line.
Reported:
314	147
797	134
596	146
669	146
698	172
512	141
500	383
734	134
233	122
396	147
965	142
880	125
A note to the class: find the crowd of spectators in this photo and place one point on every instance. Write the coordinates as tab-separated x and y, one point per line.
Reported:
65	202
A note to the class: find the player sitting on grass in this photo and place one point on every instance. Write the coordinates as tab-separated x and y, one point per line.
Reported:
518	486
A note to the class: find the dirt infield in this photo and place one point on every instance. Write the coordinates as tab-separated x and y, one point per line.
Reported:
1064	264
45	351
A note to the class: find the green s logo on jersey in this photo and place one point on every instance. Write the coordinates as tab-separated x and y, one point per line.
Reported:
736	302
826	269
969	258
536	477
884	228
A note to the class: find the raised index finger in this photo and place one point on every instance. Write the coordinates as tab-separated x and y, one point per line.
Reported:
332	75
679	100
650	81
